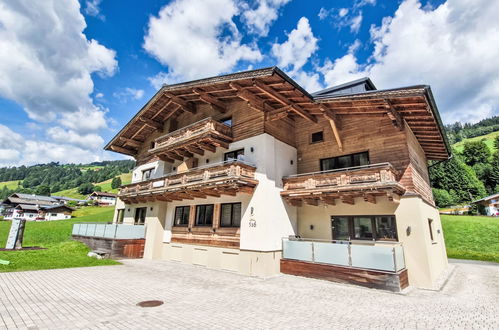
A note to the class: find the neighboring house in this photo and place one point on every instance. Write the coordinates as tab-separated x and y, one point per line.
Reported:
103	198
249	173
491	204
35	207
65	200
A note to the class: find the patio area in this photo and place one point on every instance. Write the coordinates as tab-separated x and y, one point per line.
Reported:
195	297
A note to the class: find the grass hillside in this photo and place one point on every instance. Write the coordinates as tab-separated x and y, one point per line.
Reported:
489	141
105	186
55	236
9	184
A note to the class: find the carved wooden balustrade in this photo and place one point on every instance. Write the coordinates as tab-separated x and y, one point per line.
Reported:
367	181
227	178
206	134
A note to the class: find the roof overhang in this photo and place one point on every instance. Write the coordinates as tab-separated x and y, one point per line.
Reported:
272	92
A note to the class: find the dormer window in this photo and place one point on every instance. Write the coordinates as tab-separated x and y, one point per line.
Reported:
146	174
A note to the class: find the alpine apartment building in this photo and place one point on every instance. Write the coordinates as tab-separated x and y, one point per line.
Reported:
250	173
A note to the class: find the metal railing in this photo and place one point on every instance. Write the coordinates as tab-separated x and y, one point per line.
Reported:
112	231
378	255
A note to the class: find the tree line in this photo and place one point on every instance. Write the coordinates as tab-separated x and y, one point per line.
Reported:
469	175
44	179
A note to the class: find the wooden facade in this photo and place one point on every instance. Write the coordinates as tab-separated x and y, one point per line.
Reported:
375	279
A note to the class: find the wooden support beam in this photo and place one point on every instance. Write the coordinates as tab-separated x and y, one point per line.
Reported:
214	102
163	108
131	142
174	155
207	146
348	199
164	199
295	202
255	102
211	192
311	201
303	113
370	198
197	194
229	192
284	100
151	123
122	150
165	158
393	197
328	200
186	106
194	149
394	116
184	153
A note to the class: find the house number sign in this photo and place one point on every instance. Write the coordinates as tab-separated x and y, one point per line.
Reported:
252	223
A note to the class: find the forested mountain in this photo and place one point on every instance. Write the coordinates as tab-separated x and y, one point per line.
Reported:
46	178
473	171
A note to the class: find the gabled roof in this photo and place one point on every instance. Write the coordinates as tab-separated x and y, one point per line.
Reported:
352	87
493	196
34	197
27	207
272	92
54	207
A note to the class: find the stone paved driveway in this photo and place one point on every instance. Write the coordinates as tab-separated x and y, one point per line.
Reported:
106	297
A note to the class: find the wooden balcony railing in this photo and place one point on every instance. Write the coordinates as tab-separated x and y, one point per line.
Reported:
363	181
205	134
226	178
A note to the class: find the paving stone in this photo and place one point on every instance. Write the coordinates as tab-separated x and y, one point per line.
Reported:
199	298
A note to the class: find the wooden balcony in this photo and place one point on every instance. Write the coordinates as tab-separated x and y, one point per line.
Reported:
206	134
346	184
227	178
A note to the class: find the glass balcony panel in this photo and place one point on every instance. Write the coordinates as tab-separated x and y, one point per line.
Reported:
373	257
297	250
330	253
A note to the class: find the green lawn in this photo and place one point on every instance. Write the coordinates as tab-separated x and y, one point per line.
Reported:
61	252
471	237
489	141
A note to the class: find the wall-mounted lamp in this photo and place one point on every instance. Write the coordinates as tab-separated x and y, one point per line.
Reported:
207	160
408	230
252	149
311	227
252	210
291	162
151	208
128	210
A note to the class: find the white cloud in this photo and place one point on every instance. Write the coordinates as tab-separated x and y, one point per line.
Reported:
9	139
92	8
56	73
99	95
129	94
323	13
453	48
309	81
85	120
194	45
84	141
295	52
259	19
355	23
343	12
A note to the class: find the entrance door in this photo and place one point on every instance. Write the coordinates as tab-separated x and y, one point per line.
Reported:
340	228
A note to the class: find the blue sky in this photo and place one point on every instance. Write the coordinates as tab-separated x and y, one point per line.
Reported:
75	72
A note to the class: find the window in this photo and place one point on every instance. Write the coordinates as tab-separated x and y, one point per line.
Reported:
430	225
227	121
358	159
230	215
120	216
140	215
53	214
234	155
153	144
146	174
317	137
204	215
380	227
181	216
